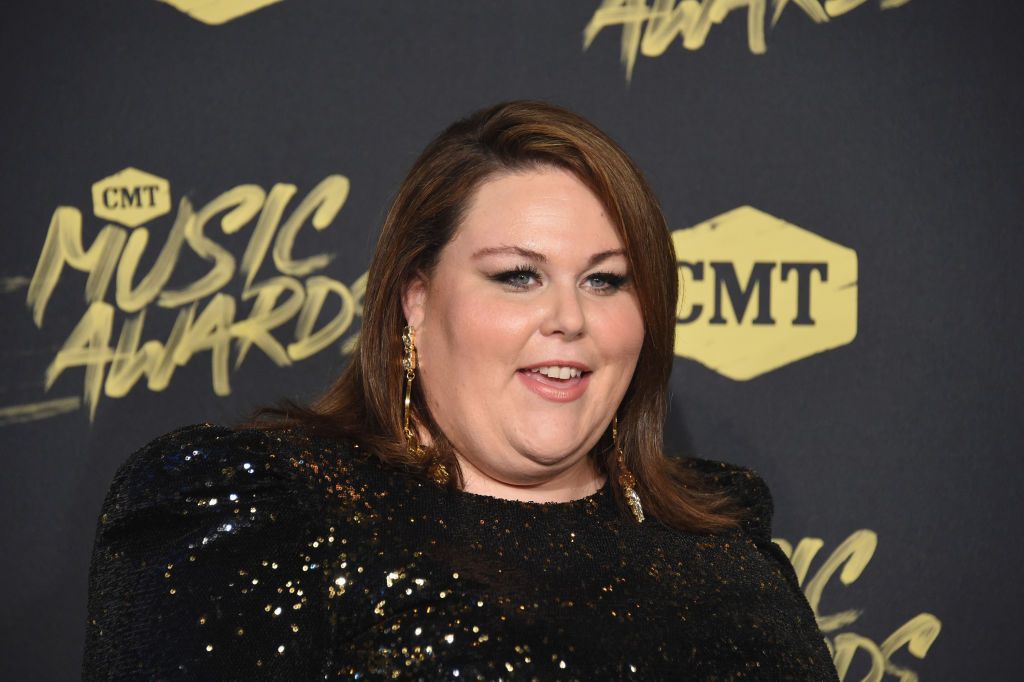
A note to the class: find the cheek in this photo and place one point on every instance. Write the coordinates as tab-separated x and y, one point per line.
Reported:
474	332
621	330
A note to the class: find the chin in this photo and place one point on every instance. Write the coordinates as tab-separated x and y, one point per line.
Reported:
549	453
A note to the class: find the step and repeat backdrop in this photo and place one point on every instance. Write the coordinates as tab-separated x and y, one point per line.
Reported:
192	190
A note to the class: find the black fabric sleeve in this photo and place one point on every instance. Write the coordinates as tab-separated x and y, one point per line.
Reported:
206	565
752	493
755	495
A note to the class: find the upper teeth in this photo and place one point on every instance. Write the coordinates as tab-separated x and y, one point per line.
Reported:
556	372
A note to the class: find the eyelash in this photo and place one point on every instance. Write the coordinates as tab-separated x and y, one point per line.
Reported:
613	281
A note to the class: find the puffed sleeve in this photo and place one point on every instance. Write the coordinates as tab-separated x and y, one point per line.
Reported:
207	564
751	492
778	608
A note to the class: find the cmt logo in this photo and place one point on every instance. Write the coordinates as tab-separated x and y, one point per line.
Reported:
758	293
131	197
214	12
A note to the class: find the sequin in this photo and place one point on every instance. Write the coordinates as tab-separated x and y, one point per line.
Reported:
308	559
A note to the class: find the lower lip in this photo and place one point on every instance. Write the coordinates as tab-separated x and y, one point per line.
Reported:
555	390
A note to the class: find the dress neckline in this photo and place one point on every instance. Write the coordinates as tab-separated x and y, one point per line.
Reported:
595	498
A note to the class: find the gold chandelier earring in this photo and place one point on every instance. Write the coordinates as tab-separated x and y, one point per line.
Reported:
627	482
437	471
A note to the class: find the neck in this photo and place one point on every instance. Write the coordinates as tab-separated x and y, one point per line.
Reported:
576	482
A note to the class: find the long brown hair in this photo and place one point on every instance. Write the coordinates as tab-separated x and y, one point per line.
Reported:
365	403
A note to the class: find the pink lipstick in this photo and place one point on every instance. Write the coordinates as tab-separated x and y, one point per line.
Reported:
556	389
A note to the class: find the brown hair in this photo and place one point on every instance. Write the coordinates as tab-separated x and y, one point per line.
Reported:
365	403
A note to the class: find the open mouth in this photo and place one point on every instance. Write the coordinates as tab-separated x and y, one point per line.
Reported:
556	375
557	383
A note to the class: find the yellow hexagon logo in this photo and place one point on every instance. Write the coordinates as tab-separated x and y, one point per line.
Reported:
215	12
757	293
131	197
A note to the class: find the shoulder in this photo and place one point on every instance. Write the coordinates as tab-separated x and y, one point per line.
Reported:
198	465
242	483
206	443
246	480
746	487
752	494
208	525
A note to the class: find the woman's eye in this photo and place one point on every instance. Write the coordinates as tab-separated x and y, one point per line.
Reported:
606	281
520	278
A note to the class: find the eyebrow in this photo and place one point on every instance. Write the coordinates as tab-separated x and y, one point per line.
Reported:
540	257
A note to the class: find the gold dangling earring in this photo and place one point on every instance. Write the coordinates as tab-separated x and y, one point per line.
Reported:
437	471
626	479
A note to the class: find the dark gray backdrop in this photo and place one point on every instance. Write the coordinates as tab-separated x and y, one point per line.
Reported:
896	133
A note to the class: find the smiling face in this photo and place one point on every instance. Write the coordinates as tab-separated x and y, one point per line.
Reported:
528	332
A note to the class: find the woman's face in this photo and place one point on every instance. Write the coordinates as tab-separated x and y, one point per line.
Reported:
528	333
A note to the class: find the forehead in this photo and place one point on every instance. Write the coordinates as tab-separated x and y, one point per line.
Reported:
542	208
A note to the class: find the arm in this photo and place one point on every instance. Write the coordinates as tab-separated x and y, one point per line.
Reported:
798	637
754	497
204	565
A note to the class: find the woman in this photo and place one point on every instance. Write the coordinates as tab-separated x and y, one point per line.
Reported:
483	493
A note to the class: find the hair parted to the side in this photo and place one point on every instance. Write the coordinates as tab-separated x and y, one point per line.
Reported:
365	403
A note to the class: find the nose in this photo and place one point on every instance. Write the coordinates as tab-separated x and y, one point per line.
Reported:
563	312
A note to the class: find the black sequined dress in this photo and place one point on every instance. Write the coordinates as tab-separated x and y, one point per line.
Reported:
243	555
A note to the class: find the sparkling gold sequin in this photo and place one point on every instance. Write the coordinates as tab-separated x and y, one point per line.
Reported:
309	560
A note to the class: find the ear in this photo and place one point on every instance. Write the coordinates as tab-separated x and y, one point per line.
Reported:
414	301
